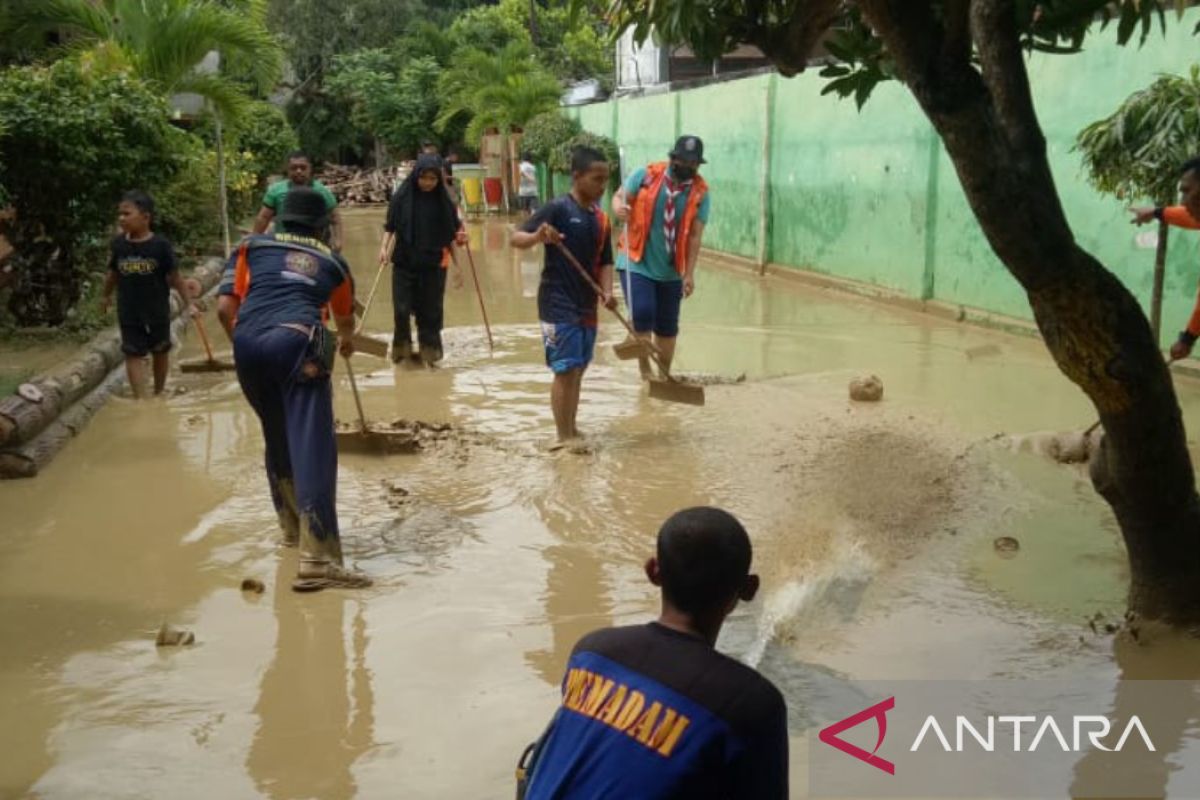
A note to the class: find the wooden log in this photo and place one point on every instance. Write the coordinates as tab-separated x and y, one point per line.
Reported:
24	419
30	458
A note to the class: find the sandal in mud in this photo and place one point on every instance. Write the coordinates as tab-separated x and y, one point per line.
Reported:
314	576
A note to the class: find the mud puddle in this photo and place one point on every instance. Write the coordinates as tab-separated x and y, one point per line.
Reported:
874	529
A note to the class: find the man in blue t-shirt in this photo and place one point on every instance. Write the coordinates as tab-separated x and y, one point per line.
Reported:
665	206
654	711
566	300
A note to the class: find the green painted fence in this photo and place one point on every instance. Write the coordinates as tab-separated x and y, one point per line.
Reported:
871	196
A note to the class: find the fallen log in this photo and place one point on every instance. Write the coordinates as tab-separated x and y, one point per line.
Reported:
22	419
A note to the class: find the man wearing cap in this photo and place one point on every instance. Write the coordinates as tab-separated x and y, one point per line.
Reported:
299	173
665	206
270	303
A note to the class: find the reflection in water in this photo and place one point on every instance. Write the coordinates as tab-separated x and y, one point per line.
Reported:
1157	683
315	709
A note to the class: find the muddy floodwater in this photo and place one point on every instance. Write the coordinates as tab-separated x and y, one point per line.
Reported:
873	525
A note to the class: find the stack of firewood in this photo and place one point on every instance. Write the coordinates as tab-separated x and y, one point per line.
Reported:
353	186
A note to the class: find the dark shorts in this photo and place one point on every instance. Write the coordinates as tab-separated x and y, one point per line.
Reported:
568	346
141	340
528	202
654	305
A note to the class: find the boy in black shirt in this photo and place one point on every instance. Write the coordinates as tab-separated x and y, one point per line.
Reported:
654	711
143	270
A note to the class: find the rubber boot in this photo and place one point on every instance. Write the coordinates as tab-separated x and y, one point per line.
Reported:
289	517
321	564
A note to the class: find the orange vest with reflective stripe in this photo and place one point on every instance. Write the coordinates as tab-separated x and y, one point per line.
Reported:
641	216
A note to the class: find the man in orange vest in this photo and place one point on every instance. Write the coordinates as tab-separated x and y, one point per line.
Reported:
1184	215
665	206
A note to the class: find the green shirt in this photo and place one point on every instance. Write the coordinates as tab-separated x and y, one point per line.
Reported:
273	199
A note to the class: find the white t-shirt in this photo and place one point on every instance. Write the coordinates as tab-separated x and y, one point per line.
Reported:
528	187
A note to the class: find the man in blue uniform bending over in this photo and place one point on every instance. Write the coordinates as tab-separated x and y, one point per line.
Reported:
654	711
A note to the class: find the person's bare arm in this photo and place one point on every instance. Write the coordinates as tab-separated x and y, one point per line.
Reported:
606	283
175	278
545	234
264	219
335	230
620	204
386	246
693	254
110	283
227	311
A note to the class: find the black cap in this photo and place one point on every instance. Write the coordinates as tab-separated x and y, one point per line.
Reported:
689	148
305	205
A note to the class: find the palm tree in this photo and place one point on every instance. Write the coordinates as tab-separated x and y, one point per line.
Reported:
161	41
502	90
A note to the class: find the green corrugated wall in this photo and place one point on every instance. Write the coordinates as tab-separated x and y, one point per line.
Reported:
871	196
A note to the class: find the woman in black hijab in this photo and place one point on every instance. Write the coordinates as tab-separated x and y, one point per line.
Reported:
422	224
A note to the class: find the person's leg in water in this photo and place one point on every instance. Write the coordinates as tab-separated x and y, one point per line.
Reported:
430	311
308	419
569	350
161	335
640	298
135	371
564	402
262	391
161	363
403	288
668	295
135	346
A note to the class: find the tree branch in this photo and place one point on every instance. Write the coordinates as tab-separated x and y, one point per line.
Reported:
790	46
1002	60
956	42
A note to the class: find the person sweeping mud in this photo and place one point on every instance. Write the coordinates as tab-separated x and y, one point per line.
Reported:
566	303
270	305
422	225
654	711
666	206
143	270
299	173
1184	215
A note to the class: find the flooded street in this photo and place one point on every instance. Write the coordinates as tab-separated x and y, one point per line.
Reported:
873	528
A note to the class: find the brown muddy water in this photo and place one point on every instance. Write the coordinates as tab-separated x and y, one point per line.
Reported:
873	527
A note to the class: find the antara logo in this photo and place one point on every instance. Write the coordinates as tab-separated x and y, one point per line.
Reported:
1095	728
877	712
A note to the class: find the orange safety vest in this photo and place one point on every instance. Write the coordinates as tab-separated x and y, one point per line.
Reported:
641	216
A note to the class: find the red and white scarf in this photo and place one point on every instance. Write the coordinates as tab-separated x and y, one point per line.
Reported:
673	190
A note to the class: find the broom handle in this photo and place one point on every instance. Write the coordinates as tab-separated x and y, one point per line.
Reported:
362	418
479	293
567	254
204	337
362	322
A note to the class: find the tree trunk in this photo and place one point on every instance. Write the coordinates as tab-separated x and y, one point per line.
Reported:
1160	266
1093	327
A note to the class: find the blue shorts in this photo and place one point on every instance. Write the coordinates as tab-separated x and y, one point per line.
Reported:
654	305
568	346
